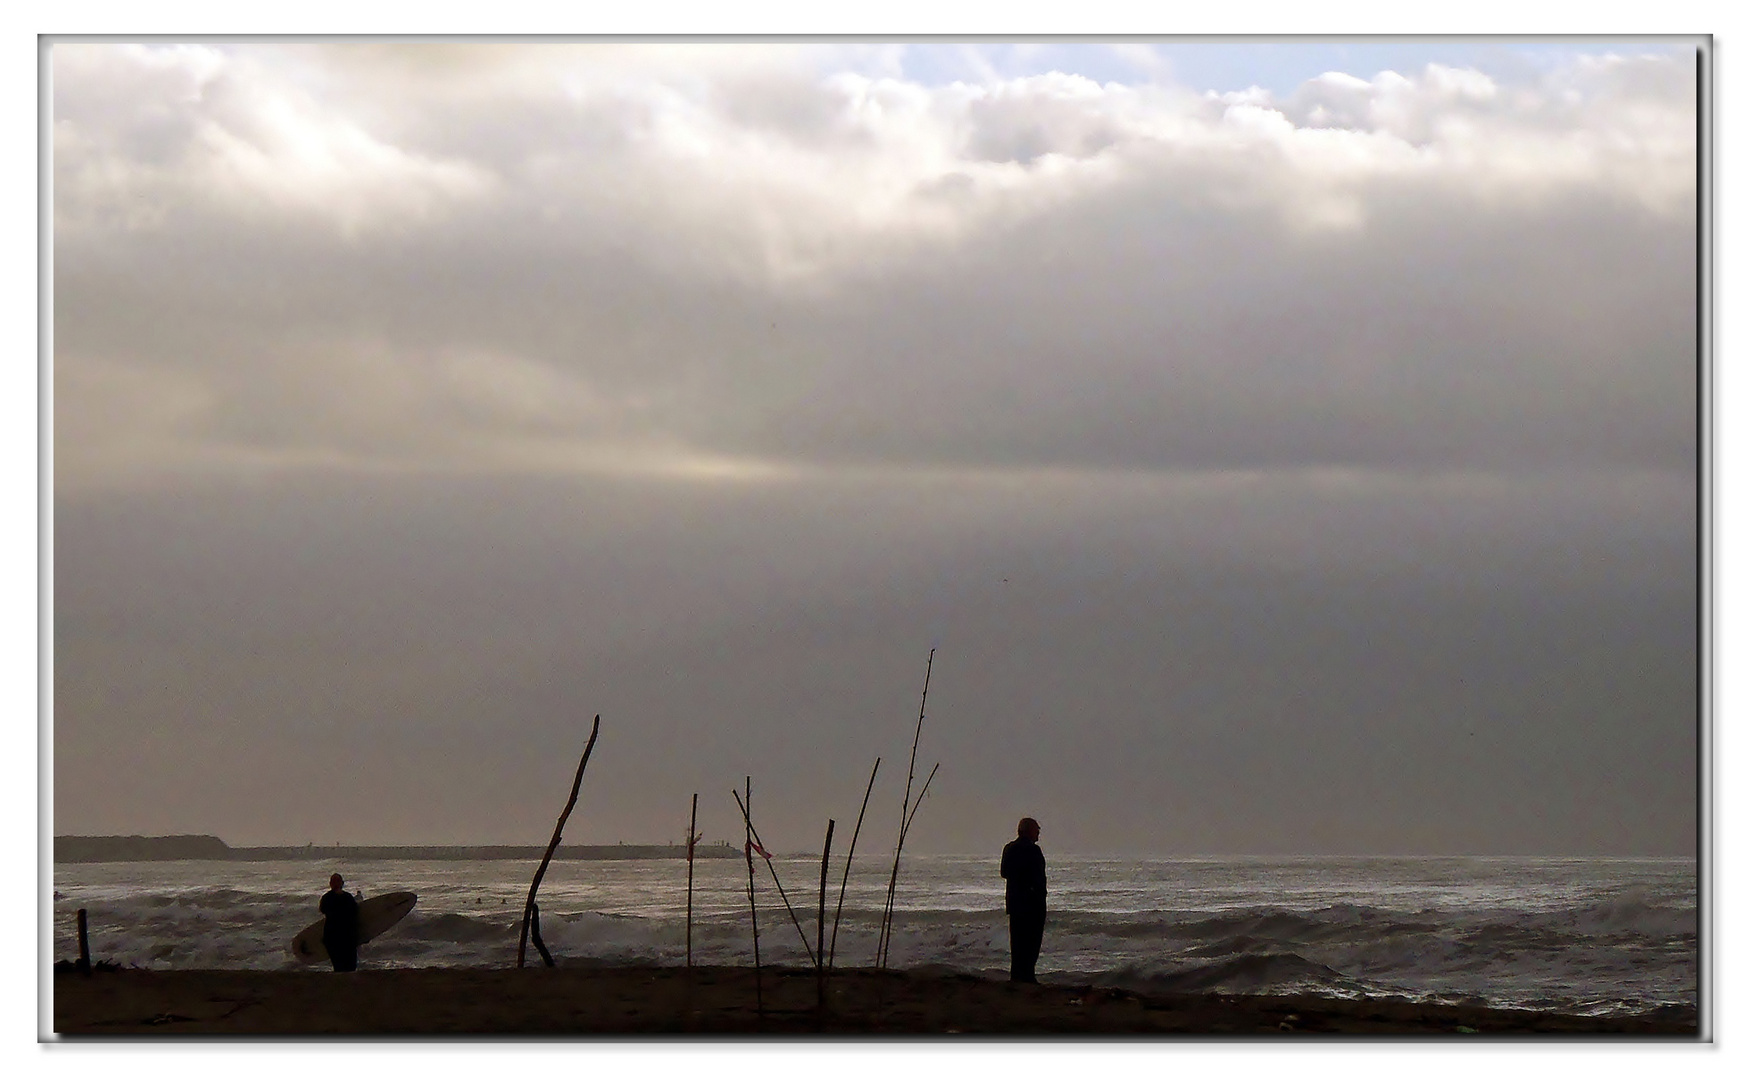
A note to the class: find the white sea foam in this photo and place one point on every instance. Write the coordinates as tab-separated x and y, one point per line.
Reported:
1599	936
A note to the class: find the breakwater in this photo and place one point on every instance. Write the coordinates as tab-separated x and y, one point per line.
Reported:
83	849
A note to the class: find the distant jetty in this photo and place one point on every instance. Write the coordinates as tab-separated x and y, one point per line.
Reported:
84	849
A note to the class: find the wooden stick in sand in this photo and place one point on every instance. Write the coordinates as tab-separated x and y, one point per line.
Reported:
84	965
833	944
753	921
821	924
769	863
529	904
882	938
692	819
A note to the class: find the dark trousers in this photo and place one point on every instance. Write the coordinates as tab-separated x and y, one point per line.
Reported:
1026	929
344	957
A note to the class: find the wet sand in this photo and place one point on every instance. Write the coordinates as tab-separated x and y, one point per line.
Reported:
721	1002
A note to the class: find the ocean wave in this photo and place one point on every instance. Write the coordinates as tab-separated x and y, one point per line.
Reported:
1248	973
1617	950
455	928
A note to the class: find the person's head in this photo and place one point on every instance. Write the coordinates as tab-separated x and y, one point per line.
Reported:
1028	829
335	882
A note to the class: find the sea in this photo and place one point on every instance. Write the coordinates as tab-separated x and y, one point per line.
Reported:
1588	936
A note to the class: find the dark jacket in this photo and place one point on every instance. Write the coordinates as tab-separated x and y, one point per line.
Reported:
340	918
1024	870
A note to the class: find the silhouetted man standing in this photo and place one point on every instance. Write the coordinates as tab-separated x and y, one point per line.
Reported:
340	925
1024	870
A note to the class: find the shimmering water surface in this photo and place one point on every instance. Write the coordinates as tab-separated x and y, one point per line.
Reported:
1602	936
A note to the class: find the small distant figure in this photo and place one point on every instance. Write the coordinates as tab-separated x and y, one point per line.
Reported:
340	928
1024	870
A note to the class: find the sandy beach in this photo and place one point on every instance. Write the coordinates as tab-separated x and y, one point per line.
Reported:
669	1001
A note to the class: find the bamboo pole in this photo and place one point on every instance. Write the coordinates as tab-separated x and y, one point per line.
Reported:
821	899
692	819
906	827
904	830
894	874
821	922
781	886
833	945
753	921
522	938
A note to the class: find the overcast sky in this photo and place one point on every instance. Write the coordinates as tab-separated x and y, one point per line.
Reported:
1286	448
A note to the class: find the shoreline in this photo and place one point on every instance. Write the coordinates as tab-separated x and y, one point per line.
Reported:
717	1002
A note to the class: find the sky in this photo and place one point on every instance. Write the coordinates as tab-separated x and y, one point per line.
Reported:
1285	448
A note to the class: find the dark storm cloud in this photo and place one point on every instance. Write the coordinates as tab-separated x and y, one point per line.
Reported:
1312	473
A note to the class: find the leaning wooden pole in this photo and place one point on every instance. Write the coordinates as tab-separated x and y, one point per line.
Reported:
692	819
753	919
535	935
833	944
882	939
529	904
798	923
821	922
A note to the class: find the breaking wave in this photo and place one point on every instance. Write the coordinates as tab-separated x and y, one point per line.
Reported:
1617	948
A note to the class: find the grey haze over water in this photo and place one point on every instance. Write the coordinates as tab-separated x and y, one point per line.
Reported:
1272	471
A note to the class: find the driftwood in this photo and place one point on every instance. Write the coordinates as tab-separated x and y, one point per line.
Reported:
755	835
833	945
886	932
529	904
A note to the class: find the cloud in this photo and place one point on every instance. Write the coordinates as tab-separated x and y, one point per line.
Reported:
1246	452
439	258
187	130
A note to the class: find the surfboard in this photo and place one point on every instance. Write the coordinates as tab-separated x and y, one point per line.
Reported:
375	916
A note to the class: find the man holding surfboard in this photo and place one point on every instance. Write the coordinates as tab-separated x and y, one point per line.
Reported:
340	928
347	923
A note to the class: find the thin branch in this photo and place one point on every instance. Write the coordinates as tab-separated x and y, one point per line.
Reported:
904	830
921	802
529	904
905	802
834	944
692	819
753	921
